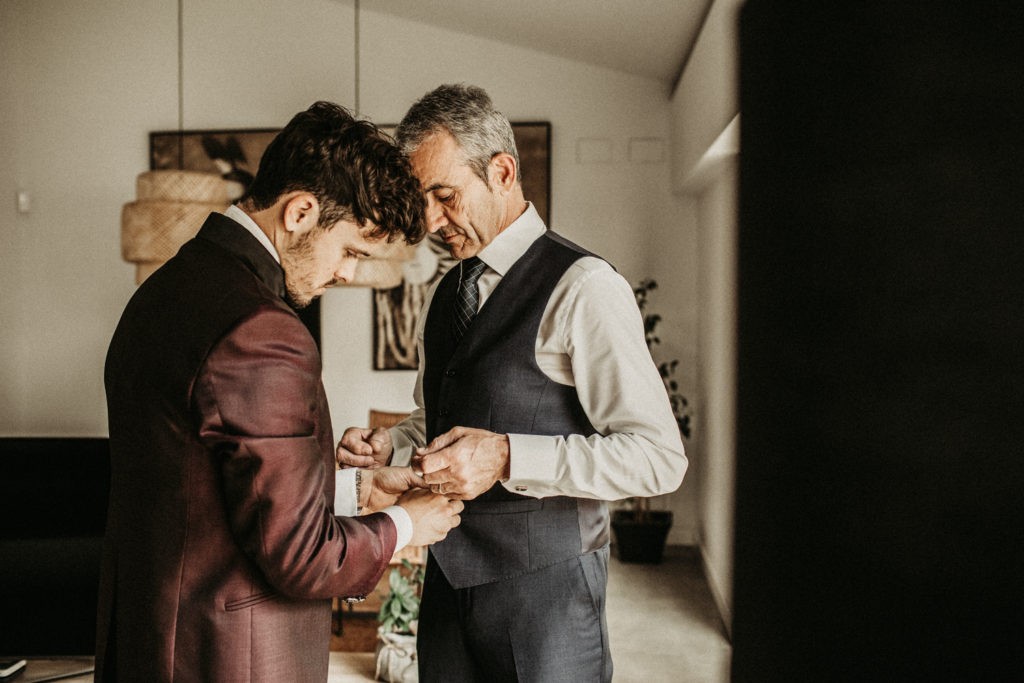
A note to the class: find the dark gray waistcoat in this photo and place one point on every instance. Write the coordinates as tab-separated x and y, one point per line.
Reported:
491	380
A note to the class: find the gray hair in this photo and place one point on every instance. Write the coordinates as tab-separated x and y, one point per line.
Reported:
468	114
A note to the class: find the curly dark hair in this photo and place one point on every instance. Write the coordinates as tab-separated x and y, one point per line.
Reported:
355	171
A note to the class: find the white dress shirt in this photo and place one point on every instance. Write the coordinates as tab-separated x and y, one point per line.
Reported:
346	501
591	336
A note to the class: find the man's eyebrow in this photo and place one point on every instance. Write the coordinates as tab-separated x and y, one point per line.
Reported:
357	251
437	186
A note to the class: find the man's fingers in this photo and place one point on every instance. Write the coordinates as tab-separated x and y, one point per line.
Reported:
434	462
434	478
359	447
349	459
415	480
378	440
452	491
442	441
396	479
457	506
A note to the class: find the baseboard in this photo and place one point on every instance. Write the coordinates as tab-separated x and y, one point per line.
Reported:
684	550
716	592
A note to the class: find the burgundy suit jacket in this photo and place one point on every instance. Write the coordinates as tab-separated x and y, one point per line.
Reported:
222	550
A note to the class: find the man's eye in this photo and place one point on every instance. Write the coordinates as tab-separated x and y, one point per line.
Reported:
445	199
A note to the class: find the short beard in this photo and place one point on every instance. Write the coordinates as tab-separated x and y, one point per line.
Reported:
297	293
295	299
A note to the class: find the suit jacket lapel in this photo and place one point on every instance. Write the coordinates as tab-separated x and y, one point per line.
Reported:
231	236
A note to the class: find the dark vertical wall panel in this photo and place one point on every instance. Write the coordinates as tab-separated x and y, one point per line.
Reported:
881	324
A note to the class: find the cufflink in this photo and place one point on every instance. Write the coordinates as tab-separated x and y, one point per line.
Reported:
354	600
520	488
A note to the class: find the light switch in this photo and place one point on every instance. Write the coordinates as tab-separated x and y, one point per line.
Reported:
24	201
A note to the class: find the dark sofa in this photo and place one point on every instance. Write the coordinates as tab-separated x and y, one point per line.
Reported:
53	509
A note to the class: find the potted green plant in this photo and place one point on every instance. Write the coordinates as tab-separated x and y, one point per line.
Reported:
396	635
640	533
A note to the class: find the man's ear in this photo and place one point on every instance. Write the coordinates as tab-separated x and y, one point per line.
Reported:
301	212
502	171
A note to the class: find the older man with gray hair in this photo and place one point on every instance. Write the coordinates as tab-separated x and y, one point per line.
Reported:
537	402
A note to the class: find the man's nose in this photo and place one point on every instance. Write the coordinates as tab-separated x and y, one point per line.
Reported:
435	216
347	270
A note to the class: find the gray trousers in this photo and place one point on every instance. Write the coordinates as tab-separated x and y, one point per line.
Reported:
544	627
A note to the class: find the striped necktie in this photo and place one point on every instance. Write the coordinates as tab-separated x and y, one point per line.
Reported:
468	296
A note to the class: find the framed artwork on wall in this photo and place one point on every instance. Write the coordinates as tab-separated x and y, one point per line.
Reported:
233	154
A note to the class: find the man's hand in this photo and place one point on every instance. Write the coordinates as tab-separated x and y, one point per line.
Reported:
381	487
463	462
361	447
433	516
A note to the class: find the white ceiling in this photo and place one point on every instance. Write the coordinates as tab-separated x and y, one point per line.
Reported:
649	38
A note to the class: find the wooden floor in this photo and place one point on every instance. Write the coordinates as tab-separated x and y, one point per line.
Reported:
358	633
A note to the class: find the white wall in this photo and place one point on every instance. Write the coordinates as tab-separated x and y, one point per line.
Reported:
83	84
717	206
704	113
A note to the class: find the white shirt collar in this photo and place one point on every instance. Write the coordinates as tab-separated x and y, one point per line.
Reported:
512	242
243	219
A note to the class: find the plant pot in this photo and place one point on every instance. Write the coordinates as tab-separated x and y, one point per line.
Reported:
641	541
396	658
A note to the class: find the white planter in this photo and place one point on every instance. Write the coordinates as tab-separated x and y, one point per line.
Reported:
396	658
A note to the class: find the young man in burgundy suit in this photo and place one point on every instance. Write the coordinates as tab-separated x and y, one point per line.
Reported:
223	548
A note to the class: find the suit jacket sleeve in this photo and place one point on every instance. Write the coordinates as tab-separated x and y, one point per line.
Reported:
262	412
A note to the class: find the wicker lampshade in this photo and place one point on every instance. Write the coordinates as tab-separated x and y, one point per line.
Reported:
169	211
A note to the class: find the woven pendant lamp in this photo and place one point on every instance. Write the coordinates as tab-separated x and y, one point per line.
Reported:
169	210
170	205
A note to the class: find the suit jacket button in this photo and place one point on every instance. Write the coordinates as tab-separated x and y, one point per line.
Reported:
442	412
449	373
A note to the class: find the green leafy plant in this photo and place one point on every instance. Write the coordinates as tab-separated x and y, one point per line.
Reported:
667	369
639	506
401	606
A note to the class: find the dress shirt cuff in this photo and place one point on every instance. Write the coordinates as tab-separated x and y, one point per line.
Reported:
532	460
346	503
403	525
